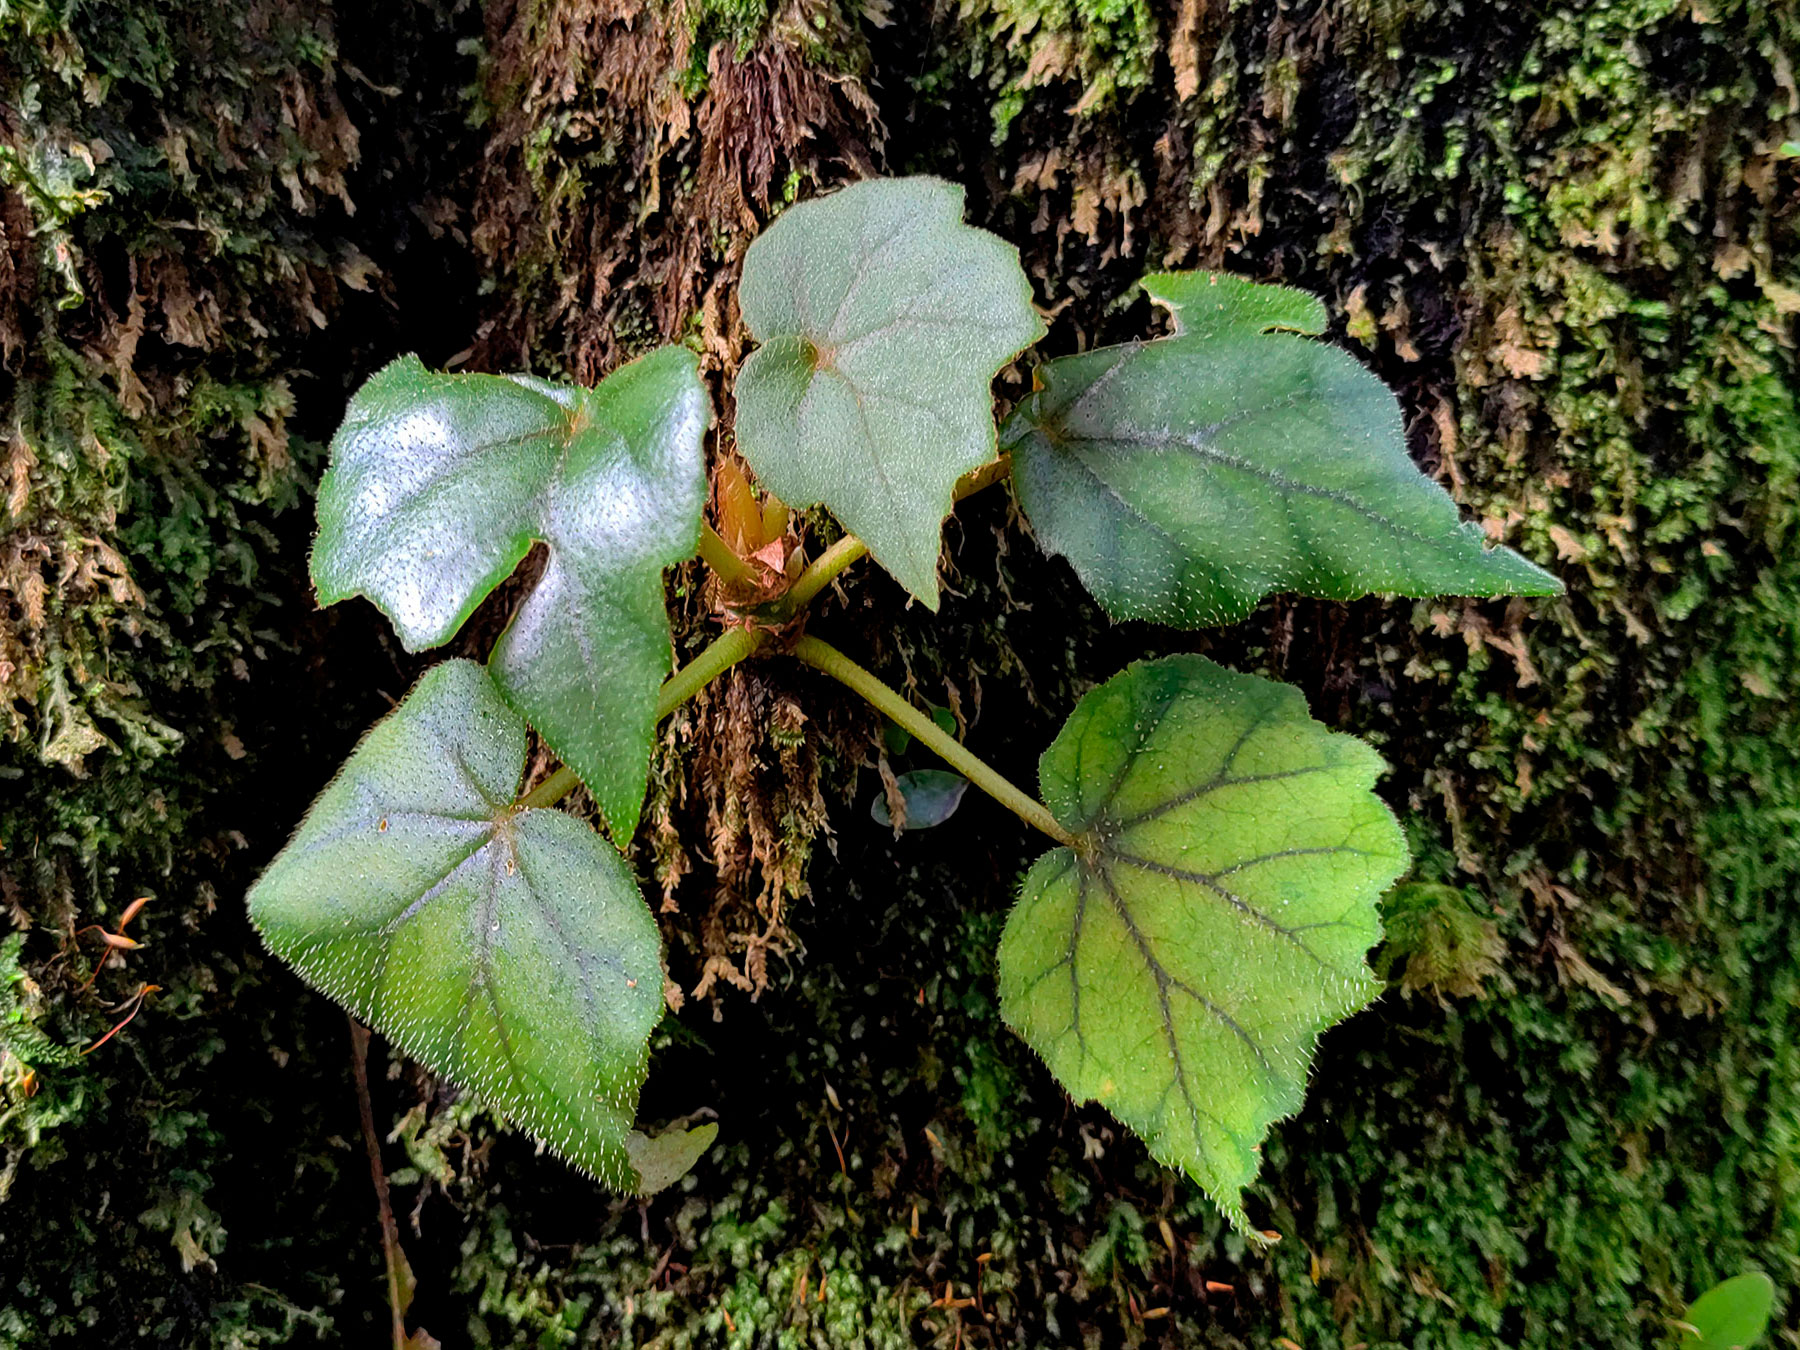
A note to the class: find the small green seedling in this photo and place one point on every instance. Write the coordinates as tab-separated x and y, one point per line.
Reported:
1207	908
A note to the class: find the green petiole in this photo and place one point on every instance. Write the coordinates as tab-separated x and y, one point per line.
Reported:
822	656
820	573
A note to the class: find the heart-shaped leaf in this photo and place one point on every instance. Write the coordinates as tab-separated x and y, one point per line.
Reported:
508	950
1187	478
883	320
1179	965
439	485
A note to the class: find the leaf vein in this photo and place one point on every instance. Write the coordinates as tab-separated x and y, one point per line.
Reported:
1164	981
1078	444
1232	898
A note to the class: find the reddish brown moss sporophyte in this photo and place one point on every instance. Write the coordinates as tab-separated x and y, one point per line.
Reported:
1218	855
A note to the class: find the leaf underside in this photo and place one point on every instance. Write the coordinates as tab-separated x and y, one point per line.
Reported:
1179	967
1186	478
929	796
440	484
507	950
883	320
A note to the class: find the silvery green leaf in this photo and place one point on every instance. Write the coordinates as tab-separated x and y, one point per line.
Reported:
1186	478
440	484
508	950
883	320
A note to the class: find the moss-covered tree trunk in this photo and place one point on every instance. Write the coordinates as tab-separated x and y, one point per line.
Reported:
1567	237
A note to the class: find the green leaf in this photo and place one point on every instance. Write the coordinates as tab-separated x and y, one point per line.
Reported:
1730	1316
440	484
508	950
883	320
1186	478
663	1159
931	797
895	737
1180	964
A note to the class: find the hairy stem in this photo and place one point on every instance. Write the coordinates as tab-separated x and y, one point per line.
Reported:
985	477
824	657
821	572
724	652
718	555
719	656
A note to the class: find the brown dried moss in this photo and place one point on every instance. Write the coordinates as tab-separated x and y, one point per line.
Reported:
619	205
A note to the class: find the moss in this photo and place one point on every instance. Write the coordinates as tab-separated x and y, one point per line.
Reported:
1436	942
175	199
141	490
1093	54
736	23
